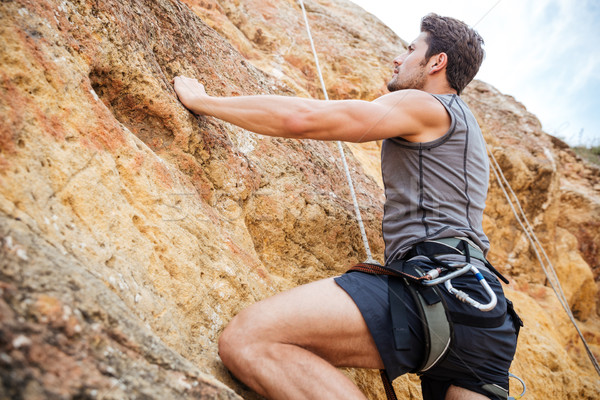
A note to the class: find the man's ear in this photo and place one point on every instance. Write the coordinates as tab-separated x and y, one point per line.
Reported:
438	62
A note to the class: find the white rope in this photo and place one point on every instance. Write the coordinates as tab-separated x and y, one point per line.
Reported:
339	143
533	240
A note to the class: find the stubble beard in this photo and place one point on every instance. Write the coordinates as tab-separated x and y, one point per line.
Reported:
414	81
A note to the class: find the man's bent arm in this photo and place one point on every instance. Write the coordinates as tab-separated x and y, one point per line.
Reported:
409	114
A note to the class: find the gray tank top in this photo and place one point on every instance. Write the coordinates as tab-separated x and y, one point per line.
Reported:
436	189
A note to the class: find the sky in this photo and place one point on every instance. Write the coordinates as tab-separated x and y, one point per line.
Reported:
542	52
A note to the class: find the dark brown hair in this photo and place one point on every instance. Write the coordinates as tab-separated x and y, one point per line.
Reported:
461	43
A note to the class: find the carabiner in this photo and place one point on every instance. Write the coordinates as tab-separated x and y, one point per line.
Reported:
465	298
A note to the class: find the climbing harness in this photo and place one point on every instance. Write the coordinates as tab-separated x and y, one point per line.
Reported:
407	274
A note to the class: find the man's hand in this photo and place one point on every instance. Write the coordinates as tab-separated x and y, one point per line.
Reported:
191	93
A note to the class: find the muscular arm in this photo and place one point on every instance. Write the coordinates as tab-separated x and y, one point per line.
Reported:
412	114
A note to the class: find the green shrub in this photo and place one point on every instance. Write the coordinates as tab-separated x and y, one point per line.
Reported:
590	154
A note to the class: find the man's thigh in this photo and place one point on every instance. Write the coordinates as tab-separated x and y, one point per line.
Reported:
320	317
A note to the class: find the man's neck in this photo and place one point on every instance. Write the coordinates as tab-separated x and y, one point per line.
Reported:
438	88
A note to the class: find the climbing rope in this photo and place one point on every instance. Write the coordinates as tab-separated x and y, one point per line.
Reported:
548	268
339	144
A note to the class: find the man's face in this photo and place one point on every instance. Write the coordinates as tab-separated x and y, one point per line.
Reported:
409	68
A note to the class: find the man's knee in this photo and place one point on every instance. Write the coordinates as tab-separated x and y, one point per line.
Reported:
226	345
240	342
232	342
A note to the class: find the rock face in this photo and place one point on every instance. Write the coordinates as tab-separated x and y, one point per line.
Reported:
132	231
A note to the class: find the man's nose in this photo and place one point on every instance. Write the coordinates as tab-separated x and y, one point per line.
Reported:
399	60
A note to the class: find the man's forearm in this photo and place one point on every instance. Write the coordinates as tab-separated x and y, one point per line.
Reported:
267	115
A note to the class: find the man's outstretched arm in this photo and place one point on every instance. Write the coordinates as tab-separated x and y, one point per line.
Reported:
411	114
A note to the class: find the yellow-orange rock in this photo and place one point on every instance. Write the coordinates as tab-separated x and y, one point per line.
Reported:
132	231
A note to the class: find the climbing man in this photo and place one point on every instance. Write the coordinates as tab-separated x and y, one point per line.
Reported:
435	170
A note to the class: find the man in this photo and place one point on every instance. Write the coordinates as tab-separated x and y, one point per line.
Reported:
436	174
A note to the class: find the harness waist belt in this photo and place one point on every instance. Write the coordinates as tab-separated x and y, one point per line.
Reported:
454	242
451	245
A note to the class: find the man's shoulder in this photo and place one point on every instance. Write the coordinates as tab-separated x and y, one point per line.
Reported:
430	117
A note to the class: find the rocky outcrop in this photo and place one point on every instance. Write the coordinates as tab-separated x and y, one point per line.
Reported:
64	334
132	231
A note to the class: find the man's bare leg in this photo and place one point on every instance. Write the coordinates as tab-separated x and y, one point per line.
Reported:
288	346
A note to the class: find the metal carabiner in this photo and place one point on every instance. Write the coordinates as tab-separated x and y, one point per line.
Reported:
465	298
432	282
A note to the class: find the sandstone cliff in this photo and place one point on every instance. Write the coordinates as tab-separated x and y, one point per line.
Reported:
131	231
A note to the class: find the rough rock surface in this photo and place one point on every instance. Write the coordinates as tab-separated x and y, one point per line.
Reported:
132	231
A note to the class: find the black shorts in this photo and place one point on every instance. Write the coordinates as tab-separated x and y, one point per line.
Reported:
477	356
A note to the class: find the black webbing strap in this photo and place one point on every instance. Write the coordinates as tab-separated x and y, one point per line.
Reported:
429	294
387	385
495	271
465	247
396	288
517	321
433	248
395	269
